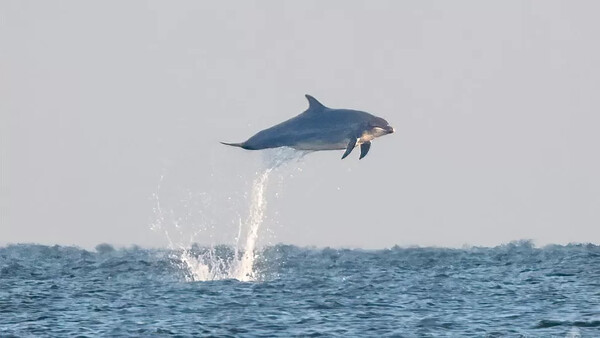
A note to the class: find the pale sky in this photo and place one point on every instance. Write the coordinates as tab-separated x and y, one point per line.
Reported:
496	107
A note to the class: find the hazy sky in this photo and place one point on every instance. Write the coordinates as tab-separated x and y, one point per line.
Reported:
496	107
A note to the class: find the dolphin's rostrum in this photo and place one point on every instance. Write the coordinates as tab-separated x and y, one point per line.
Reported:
322	128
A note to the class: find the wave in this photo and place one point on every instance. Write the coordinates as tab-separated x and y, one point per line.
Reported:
272	261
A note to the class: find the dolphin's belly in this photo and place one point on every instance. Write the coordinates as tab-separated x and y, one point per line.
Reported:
323	144
319	146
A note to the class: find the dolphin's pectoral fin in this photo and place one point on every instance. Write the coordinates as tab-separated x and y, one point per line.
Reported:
350	146
364	149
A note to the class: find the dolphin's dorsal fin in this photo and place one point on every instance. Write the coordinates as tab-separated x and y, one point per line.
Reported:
313	104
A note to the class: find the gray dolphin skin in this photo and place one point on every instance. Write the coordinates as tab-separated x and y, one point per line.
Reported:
321	128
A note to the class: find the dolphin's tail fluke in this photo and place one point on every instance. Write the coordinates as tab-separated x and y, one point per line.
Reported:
241	145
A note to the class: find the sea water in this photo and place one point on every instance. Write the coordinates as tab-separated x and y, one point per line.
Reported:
513	290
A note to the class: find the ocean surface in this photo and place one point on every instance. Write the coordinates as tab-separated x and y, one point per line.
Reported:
507	291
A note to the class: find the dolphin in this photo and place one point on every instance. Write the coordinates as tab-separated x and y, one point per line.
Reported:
321	128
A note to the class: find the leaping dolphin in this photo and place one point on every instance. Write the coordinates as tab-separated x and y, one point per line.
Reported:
321	128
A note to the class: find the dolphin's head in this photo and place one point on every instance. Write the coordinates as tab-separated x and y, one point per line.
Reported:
377	127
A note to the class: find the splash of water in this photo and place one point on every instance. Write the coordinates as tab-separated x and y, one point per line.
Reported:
212	265
244	269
